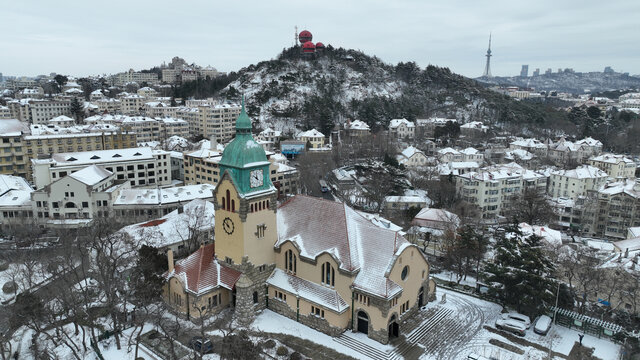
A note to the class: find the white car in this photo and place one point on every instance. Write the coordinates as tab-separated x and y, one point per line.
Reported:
511	325
542	326
524	319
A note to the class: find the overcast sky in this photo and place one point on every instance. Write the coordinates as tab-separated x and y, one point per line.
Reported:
96	37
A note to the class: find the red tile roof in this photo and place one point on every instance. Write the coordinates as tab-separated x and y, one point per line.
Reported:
201	272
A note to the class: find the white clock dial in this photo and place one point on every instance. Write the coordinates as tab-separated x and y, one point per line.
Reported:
256	178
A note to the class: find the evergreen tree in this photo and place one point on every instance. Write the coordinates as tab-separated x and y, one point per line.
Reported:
76	110
521	274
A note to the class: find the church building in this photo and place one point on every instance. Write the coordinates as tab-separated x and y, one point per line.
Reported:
318	262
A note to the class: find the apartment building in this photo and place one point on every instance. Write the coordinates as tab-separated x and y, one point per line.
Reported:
575	183
123	78
617	166
138	166
492	189
427	127
15	201
12	152
202	167
42	111
612	210
533	146
108	105
160	109
132	104
5	112
146	128
268	138
215	120
402	128
77	198
412	157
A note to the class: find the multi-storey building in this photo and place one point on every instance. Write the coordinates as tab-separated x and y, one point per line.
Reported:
12	152
202	167
575	183
492	189
402	128
123	78
132	104
214	120
313	137
108	105
268	138
617	166
427	127
146	128
5	112
77	198
15	201
42	111
611	210
160	109
138	166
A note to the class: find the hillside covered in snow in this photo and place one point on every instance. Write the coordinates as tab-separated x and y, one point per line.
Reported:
294	92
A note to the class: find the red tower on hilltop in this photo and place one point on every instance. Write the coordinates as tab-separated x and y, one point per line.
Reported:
305	36
308	48
319	46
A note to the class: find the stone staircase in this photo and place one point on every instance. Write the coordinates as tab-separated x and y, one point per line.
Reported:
365	349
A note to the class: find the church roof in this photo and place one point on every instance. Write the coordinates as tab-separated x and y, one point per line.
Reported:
201	272
308	290
318	226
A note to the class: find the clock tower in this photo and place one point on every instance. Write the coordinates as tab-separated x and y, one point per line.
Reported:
245	201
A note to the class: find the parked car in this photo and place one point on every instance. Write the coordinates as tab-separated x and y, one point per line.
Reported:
201	345
542	325
511	325
524	319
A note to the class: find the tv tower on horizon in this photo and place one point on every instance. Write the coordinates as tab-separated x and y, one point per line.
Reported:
487	67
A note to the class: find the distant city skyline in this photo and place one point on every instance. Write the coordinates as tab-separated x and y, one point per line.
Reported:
79	38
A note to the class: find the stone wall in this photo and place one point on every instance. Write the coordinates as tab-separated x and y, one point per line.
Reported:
258	276
312	321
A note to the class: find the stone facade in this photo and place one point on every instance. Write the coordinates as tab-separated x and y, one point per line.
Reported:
256	279
311	321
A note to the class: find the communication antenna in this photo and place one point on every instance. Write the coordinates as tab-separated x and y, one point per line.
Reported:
295	36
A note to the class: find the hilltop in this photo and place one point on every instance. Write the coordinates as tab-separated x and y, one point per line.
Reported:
292	92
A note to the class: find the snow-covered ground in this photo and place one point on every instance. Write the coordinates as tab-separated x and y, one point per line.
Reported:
450	276
270	321
25	276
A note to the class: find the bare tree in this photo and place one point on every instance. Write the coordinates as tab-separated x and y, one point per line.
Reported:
533	208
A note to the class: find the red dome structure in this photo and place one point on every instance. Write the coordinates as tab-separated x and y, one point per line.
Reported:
308	48
319	46
304	36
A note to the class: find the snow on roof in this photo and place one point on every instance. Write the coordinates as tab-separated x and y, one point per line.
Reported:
429	217
394	123
612	159
448	150
164	195
354	242
270	132
13	198
10	182
633	232
101	156
379	221
626	186
410	151
201	272
434	120
91	175
529	143
469	151
474	125
61	118
502	171
175	227
313	133
589	141
632	244
552	237
310	291
518	154
405	199
582	172
12	127
357	125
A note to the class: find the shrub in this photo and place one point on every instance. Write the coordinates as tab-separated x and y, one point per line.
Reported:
9	287
269	344
295	356
282	351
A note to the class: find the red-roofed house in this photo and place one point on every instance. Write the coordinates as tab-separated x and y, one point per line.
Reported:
199	285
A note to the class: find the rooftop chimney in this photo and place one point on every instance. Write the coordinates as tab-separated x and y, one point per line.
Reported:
170	259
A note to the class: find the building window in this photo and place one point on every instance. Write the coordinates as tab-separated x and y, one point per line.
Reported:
328	274
405	273
290	261
255	297
317	312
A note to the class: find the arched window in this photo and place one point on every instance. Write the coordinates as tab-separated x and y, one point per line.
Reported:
290	261
224	205
328	274
255	297
228	200
267	204
233	206
251	207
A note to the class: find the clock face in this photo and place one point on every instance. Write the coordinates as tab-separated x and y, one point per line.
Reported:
256	178
227	225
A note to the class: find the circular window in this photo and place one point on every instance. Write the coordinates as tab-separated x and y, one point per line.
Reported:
405	273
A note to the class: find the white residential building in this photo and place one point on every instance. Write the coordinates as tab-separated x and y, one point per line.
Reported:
357	128
473	128
268	138
493	188
617	166
412	157
402	128
138	166
15	200
575	183
472	155
533	146
448	155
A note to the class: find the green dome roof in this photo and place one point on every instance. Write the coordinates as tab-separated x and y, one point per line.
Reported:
243	150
